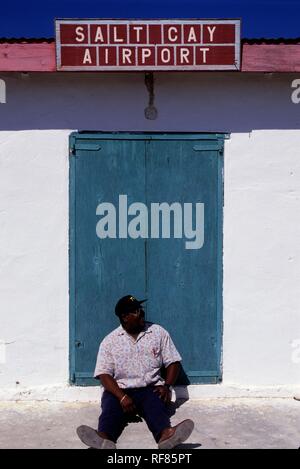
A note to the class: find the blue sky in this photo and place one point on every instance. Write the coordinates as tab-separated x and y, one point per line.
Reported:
265	18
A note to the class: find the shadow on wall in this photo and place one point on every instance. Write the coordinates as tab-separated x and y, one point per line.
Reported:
202	102
182	380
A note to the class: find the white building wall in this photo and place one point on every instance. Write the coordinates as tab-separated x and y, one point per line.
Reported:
262	258
34	257
261	216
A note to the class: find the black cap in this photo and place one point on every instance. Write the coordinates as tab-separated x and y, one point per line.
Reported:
127	303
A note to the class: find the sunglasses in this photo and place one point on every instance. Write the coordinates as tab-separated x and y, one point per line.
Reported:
134	312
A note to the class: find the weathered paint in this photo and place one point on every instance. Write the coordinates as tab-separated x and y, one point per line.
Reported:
271	58
27	57
261	228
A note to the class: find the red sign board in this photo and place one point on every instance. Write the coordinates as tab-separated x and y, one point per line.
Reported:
117	45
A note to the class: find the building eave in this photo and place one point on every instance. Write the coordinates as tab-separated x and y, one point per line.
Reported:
39	55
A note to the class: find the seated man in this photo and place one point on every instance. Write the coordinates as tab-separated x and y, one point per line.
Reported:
128	365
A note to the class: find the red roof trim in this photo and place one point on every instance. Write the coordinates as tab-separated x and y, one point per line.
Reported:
271	58
39	55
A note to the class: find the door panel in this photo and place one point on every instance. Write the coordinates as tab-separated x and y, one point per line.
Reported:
105	269
184	286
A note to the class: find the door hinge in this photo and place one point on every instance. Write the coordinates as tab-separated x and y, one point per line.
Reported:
84	147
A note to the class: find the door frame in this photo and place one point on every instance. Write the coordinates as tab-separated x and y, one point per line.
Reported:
99	135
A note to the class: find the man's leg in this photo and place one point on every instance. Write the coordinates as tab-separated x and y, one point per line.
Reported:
153	410
112	420
155	413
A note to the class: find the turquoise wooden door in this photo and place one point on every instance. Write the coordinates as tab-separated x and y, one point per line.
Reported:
162	240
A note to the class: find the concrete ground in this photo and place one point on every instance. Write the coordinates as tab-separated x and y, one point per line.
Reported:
219	423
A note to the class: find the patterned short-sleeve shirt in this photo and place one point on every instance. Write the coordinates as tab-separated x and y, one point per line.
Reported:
136	363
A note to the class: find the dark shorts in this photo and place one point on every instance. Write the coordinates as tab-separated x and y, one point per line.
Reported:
150	407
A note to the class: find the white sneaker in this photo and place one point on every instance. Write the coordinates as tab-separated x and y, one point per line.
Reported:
182	431
91	438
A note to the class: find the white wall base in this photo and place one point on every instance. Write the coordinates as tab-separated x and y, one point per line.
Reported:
92	394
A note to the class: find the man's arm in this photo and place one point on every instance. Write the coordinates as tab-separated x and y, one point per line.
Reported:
172	372
110	385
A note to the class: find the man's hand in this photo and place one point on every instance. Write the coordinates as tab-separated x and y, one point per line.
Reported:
128	405
164	393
